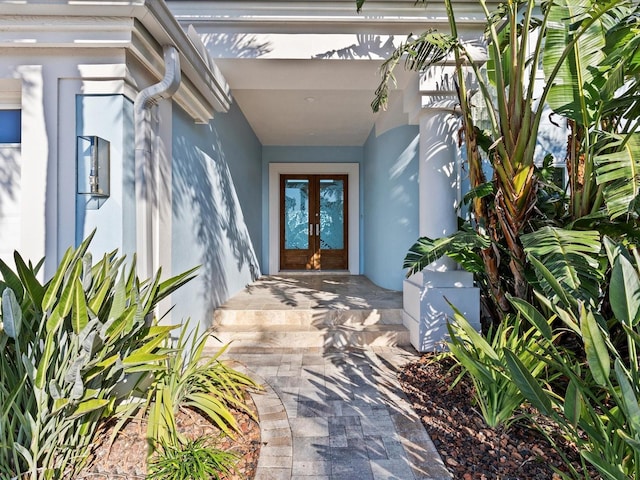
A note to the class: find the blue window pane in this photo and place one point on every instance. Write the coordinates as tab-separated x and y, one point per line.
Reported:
10	126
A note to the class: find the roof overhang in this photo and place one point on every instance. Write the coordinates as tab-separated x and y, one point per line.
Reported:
139	27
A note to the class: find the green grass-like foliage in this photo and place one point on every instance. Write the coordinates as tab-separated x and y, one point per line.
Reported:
485	361
71	350
598	407
209	386
191	460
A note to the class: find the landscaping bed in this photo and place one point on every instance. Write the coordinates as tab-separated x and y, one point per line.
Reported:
127	457
468	447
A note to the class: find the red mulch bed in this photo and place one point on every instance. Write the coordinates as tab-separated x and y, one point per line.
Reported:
470	449
127	458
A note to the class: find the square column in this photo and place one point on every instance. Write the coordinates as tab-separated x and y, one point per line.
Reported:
427	294
425	297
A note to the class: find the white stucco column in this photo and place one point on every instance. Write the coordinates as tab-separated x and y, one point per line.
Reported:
427	293
439	175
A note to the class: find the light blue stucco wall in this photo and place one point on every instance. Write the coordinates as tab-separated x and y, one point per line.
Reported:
216	220
390	206
302	154
109	117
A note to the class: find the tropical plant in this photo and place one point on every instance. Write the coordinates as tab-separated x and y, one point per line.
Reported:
521	35
598	407
208	386
191	460
484	361
599	97
71	351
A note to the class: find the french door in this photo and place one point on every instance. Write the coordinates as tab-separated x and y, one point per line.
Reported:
313	220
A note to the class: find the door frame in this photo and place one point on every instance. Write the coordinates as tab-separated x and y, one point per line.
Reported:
352	170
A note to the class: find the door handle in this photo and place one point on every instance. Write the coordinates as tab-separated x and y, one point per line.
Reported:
311	229
317	229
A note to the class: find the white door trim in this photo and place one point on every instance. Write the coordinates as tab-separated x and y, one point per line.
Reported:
350	169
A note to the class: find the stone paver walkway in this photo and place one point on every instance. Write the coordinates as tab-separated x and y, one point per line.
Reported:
338	414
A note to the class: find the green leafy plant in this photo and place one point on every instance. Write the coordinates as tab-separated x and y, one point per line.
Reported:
598	97
598	409
71	351
485	362
208	386
191	460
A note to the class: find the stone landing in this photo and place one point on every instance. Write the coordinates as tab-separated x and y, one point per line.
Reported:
309	311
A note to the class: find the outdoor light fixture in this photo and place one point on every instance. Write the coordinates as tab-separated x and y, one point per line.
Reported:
93	158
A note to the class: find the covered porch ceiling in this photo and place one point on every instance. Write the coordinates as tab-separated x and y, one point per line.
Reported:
304	73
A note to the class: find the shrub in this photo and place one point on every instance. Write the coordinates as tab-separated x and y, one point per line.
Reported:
72	350
485	362
598	409
193	459
208	386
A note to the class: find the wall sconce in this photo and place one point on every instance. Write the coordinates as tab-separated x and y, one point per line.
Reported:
93	158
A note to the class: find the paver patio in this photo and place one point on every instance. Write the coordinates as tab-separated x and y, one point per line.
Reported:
333	413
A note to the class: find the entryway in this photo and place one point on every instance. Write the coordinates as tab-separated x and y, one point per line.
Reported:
313	216
304	241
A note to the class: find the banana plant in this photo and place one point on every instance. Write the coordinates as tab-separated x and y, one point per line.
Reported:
521	35
594	85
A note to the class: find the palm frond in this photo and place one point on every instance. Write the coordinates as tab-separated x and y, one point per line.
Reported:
419	52
570	256
460	246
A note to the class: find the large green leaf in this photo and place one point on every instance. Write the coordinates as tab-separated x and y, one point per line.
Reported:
575	89
79	317
629	398
595	348
527	384
532	315
571	258
618	171
11	314
624	291
573	403
51	295
461	246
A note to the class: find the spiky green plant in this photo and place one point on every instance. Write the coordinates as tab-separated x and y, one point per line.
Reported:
67	349
194	459
484	360
189	380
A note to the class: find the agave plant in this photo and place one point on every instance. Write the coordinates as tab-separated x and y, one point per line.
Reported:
69	351
599	97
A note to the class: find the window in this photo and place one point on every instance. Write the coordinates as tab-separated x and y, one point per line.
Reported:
10	131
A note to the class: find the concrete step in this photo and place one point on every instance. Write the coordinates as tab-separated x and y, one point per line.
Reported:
310	336
318	317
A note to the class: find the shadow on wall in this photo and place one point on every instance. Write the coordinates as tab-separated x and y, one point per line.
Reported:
368	46
235	46
204	196
9	176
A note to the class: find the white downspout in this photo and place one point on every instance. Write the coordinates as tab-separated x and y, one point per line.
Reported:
146	174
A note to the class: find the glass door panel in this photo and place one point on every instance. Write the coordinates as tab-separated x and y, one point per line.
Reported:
296	214
331	214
